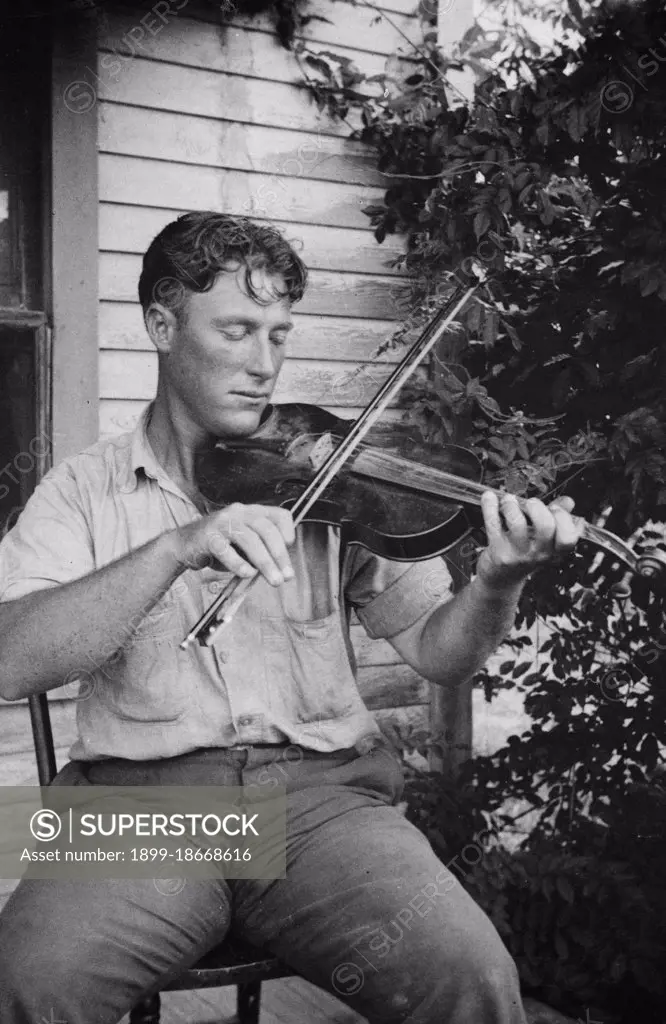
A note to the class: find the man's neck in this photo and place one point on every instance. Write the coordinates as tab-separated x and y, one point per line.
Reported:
174	442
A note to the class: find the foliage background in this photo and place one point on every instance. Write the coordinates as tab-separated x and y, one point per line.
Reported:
552	178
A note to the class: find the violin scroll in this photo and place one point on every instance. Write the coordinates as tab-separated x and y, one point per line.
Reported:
651	564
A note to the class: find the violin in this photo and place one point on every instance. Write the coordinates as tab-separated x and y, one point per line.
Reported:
390	491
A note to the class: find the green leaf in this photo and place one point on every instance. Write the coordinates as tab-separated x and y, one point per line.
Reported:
513	334
650	281
482	222
577	123
649	750
521	669
576	12
319	65
542	133
547	209
490	328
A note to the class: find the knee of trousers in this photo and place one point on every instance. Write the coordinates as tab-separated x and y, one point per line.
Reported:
485	962
478	981
27	985
439	975
474	955
44	985
39	975
440	962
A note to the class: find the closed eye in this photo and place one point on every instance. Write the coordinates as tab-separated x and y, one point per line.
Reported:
234	333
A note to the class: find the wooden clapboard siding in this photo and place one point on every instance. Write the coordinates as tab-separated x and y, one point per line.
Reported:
360	33
130	229
141	182
69	239
357	26
198	116
214	47
216	94
232	145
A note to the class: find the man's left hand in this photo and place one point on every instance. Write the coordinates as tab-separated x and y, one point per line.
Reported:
520	539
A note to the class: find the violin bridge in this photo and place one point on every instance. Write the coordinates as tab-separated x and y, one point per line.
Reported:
321	450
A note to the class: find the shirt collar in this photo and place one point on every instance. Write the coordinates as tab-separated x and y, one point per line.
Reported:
143	458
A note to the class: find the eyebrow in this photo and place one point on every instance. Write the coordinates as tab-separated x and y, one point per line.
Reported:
224	321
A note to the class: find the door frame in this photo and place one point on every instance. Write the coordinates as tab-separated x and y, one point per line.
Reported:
72	262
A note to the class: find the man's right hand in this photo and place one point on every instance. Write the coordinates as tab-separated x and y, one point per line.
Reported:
242	539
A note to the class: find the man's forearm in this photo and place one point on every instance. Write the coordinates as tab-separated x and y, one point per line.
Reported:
48	635
460	636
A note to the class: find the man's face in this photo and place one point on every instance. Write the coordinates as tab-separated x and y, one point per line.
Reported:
226	353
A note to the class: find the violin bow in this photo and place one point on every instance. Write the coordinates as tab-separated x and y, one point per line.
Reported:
206	629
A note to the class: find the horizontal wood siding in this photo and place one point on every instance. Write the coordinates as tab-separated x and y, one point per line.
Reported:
195	115
129	229
135	181
250	47
228	144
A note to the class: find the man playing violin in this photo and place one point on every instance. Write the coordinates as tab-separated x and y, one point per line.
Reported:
116	555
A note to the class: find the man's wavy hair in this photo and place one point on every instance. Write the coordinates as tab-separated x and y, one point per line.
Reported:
191	251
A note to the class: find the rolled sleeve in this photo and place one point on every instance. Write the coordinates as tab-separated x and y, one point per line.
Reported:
51	542
389	597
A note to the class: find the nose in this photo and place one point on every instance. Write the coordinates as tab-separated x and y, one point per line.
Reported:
261	362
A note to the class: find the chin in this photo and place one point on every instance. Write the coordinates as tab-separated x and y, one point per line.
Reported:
239	423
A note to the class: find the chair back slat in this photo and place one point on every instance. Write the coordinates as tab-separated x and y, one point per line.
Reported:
42	735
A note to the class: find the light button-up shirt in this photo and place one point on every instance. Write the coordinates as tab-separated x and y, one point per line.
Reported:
282	671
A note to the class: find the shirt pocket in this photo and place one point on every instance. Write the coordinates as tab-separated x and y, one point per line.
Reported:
308	675
144	680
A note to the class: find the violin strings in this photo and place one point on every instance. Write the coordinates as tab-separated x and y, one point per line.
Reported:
402	472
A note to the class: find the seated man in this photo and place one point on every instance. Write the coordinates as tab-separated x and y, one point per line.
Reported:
116	555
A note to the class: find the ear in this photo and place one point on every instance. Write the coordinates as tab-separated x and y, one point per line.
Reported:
161	325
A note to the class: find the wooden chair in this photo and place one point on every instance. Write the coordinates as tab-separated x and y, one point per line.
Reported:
231	963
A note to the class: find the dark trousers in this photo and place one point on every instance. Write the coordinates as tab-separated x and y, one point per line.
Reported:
367	911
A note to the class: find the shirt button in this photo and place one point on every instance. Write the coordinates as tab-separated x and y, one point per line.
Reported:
215	587
246	720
